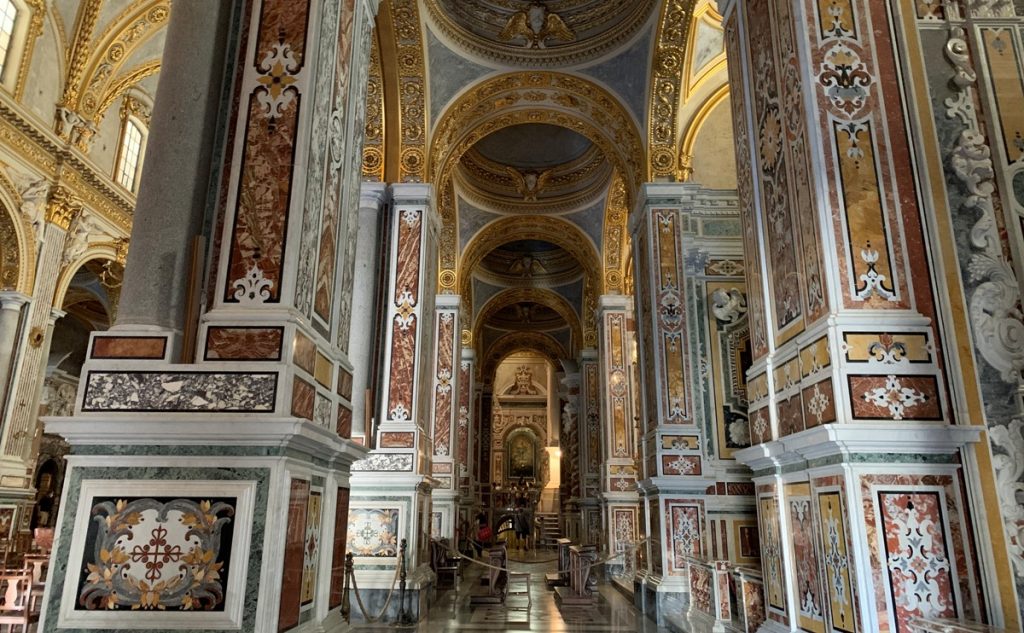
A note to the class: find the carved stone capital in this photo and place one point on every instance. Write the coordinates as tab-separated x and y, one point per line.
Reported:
63	207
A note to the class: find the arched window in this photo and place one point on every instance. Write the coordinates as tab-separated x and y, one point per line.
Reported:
129	154
9	15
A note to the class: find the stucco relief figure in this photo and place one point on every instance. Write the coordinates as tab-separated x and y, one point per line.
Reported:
535	26
34	193
524	383
529	183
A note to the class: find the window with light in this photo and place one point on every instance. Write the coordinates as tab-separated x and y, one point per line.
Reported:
130	154
8	18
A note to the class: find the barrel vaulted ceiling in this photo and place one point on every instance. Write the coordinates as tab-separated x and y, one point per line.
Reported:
537	122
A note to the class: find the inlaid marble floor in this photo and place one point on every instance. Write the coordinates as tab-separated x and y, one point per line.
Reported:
452	610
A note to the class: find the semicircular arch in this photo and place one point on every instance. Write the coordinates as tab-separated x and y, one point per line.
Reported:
543	296
515	342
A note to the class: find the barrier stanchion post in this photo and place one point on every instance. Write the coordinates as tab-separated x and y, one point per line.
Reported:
404	617
346	599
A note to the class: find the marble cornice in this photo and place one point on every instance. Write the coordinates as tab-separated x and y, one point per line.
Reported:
42	148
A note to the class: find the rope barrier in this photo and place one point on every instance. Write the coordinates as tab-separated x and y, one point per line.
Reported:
560	571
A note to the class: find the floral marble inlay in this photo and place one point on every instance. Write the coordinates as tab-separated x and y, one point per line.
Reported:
157	553
373	532
180	391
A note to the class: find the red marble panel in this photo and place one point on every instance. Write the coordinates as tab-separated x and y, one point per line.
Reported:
340	540
441	467
790	415
282	23
760	426
895	397
403	369
753	606
345	384
244	343
344	428
397	440
684	525
810	604
295	539
680	464
264	195
129	347
465	405
303	395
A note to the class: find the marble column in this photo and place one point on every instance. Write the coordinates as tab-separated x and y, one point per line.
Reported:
364	331
249	445
445	416
619	498
11	309
570	489
183	140
391	489
855	392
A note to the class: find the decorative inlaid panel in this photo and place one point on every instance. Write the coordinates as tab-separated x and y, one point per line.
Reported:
771	553
444	373
157	553
373	532
684	520
917	556
681	465
128	347
836	562
819	403
753	606
397	439
244	343
729	340
405	310
895	397
619	426
465	416
255	263
624	523
150	391
807	584
311	547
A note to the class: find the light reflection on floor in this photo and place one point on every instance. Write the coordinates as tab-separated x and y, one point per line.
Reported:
452	611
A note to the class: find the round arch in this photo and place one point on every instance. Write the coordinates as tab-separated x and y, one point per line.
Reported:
522	97
550	229
17	247
543	296
515	342
106	251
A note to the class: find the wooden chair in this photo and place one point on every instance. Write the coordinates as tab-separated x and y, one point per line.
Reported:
37	566
16	609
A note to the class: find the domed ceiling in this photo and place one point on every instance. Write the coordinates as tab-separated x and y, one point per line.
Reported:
535	167
539	33
529	263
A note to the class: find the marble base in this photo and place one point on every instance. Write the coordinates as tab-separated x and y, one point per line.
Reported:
660	601
417	605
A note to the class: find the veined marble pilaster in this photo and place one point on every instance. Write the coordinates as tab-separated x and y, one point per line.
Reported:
465	443
248	445
445	395
400	462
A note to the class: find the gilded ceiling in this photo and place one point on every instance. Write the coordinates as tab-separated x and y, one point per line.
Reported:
528	33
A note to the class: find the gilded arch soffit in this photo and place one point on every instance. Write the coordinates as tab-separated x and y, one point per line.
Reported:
397	117
542	296
527	97
551	229
696	122
667	76
515	342
94	78
483	28
113	251
616	236
17	252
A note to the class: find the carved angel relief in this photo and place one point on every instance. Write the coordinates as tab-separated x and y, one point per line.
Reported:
528	183
535	26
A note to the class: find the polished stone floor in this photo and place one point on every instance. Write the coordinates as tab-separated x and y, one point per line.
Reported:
453	612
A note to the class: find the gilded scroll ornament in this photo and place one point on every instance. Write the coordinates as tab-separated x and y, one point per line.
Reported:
666	86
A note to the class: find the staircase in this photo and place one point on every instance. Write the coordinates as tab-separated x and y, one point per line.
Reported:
550	530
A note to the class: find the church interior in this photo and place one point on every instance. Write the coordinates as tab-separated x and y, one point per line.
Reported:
553	315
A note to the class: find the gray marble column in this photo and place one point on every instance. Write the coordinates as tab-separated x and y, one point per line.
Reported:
373	197
11	304
179	165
